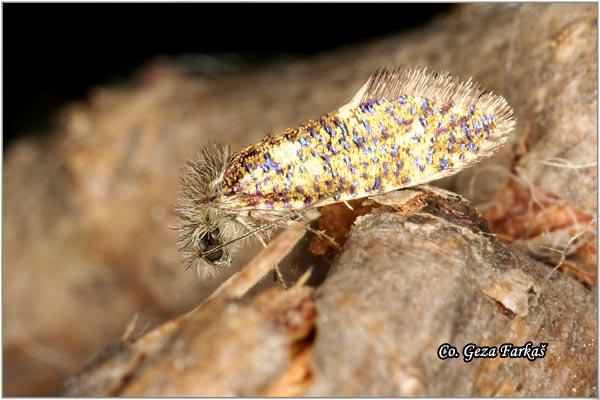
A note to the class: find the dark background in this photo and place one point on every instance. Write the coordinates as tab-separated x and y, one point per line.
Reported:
54	53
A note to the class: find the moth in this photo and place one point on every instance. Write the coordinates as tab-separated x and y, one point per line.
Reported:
404	127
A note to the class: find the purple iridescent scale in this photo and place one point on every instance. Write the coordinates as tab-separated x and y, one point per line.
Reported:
378	146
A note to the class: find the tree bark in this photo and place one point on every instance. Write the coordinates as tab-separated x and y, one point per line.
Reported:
87	243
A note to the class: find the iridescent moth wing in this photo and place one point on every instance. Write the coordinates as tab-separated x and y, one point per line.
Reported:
405	127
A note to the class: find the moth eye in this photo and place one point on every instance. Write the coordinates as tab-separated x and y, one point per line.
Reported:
216	256
209	242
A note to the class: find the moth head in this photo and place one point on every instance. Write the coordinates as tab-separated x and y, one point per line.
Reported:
204	230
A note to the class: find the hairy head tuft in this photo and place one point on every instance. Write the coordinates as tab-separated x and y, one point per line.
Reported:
200	227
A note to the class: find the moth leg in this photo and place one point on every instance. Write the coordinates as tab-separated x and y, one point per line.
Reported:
278	276
312	214
323	235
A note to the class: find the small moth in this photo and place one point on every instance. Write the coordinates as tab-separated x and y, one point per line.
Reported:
403	128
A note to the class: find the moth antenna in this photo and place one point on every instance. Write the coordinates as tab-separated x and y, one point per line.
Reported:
254	231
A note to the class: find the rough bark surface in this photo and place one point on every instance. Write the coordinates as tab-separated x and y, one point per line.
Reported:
87	242
417	271
403	286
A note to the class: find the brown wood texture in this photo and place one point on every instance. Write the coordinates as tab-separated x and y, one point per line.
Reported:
87	243
412	276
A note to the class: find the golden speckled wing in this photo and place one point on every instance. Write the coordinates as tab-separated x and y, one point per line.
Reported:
405	127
